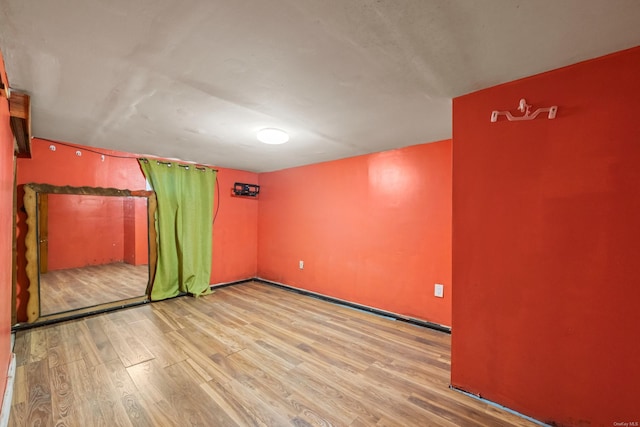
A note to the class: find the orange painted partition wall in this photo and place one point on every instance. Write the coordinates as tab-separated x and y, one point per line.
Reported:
235	228
6	234
546	243
373	229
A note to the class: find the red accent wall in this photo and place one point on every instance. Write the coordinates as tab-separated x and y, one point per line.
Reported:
373	229
546	240
6	234
235	229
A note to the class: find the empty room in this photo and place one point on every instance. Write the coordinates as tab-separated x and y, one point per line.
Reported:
320	213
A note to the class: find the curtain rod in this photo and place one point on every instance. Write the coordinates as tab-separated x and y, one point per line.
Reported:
182	165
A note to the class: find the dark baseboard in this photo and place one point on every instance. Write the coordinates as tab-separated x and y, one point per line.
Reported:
237	282
72	316
379	312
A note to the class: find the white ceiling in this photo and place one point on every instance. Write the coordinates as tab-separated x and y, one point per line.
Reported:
195	79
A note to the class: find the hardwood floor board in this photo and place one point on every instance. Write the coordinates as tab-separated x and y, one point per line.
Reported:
150	380
230	405
224	315
263	411
227	338
84	396
20	391
159	320
190	398
409	351
318	390
159	389
449	412
64	290
87	346
110	405
268	361
247	355
316	351
153	339
102	344
440	402
205	362
128	394
278	353
21	347
38	405
280	391
398	331
18	415
68	349
62	397
358	392
38	344
390	422
173	321
205	342
129	314
125	342
53	336
312	307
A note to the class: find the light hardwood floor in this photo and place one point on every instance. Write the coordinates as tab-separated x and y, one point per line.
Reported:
247	355
73	288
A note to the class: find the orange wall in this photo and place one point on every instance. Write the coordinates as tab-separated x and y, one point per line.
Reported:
136	231
546	239
85	230
235	229
6	235
374	229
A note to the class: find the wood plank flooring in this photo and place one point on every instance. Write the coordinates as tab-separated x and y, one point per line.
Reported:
246	355
70	289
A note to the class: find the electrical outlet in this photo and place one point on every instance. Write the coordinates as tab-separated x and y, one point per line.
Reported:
438	290
301	265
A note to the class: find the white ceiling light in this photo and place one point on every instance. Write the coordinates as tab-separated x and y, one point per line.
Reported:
272	136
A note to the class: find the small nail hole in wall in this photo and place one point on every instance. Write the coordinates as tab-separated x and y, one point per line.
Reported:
52	147
78	153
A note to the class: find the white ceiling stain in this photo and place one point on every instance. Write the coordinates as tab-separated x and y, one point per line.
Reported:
195	79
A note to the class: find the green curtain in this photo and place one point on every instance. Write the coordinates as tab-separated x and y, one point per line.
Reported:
184	223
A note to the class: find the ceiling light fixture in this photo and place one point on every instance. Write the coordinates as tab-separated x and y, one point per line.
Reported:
272	136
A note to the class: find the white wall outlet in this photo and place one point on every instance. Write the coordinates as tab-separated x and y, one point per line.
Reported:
301	265
438	290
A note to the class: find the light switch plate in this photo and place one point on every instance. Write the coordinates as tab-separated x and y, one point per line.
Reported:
438	290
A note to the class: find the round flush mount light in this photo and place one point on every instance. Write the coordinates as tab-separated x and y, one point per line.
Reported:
272	136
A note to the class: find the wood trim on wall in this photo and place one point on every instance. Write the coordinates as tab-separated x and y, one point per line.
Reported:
31	192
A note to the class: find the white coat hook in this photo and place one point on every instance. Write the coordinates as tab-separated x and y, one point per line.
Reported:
526	109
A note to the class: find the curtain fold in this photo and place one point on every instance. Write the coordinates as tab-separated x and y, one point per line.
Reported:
184	223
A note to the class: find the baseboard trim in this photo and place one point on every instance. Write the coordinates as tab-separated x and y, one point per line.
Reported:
499	406
373	310
235	282
8	392
63	317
